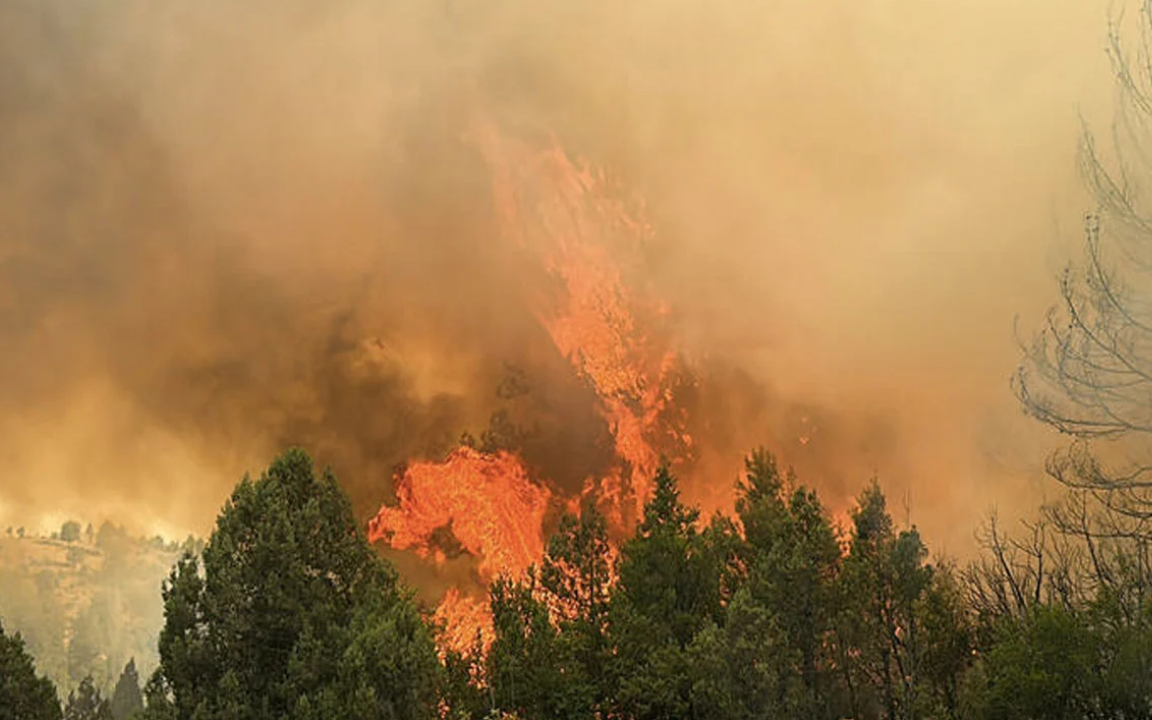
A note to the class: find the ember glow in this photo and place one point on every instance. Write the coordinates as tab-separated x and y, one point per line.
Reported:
561	215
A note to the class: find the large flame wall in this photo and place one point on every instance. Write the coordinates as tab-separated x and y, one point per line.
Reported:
561	216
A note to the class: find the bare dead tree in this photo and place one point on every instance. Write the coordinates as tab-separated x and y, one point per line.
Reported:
1088	371
1015	574
1078	555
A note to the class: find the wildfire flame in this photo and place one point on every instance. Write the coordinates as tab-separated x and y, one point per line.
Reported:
487	500
561	215
464	620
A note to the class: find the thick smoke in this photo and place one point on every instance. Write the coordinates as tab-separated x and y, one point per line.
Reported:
226	227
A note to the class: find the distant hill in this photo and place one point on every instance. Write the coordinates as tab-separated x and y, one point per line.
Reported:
86	601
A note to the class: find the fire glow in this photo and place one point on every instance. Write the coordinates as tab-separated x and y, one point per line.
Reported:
561	215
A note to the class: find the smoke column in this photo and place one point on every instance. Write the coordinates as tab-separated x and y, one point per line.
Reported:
232	226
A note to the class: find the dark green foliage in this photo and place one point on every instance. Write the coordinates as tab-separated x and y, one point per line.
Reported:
792	559
1055	663
1045	666
523	672
775	613
740	671
668	591
550	657
763	617
576	580
388	669
668	575
814	632
884	581
158	703
85	703
946	643
23	695
291	614
127	698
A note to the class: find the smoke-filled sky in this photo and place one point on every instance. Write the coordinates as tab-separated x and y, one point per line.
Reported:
226	227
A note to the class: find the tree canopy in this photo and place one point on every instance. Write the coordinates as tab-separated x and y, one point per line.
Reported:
775	612
23	694
127	699
289	613
85	703
772	614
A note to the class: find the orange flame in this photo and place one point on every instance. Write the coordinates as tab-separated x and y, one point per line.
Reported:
565	214
487	500
562	216
463	620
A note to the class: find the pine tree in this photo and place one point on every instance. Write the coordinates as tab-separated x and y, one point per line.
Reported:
668	591
126	698
85	703
291	614
792	558
23	695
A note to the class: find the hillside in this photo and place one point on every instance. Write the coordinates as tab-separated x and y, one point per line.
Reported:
87	603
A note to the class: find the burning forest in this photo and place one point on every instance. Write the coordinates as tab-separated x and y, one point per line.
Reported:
486	498
631	362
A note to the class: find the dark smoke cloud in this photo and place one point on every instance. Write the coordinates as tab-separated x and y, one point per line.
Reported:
116	277
258	293
230	226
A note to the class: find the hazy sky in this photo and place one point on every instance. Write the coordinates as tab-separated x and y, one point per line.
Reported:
207	209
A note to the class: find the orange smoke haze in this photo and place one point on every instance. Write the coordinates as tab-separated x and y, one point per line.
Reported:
682	228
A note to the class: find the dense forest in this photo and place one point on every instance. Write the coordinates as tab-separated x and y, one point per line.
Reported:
774	612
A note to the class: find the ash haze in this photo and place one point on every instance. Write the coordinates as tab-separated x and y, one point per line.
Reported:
230	226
